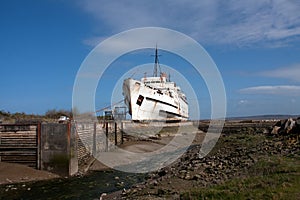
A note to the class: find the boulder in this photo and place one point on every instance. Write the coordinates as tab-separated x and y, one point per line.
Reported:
289	125
298	121
275	130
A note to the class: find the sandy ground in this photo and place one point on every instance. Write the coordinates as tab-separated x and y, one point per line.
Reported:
143	146
16	173
131	146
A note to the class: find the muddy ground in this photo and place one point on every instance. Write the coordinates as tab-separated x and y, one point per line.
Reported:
16	173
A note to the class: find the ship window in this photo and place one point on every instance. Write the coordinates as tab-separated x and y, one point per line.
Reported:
140	100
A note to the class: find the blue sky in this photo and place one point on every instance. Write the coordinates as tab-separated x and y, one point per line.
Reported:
255	44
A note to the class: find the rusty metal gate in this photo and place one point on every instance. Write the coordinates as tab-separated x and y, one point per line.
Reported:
20	143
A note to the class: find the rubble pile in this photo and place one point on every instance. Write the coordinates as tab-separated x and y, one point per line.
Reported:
232	157
287	127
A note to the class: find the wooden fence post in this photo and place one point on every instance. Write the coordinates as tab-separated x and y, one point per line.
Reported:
116	135
106	134
122	135
94	139
38	153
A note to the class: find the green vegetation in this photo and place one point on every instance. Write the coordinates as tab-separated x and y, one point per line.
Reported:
272	177
49	116
7	117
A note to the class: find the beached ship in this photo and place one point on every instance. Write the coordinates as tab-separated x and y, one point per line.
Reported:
155	98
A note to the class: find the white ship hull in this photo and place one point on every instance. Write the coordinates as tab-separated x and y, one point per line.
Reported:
148	102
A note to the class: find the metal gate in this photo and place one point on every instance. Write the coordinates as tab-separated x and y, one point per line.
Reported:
20	143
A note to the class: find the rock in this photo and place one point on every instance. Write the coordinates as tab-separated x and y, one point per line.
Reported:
275	130
160	192
289	125
162	173
187	177
298	121
119	184
196	177
154	182
278	123
265	131
278	144
102	195
285	127
134	191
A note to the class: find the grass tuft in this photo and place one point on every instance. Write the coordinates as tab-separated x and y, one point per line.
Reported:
272	178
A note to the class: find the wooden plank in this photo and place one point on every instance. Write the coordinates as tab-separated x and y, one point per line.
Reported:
16	147
18	139
17	153
18	159
19	144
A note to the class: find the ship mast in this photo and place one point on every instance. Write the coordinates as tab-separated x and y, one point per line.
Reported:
156	64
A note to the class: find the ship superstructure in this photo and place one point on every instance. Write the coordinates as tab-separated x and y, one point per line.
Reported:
155	98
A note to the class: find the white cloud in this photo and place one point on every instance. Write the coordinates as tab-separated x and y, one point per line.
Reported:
288	90
291	72
243	23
